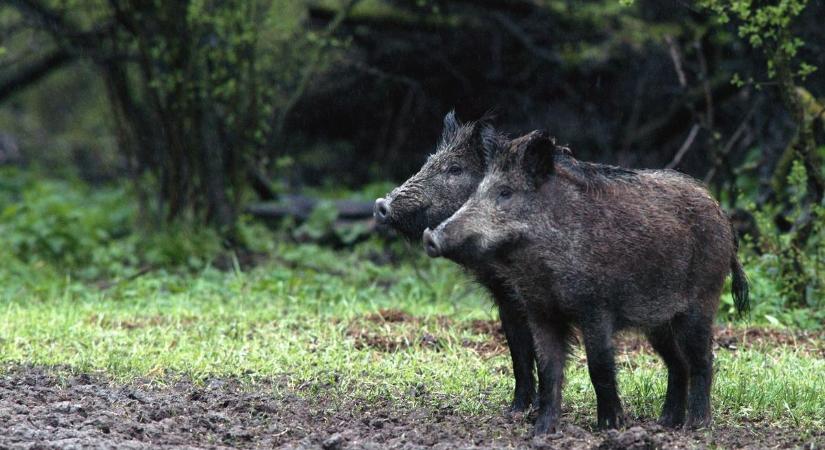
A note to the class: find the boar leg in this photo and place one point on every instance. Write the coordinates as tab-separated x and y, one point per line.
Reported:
550	341
695	335
522	351
601	364
663	340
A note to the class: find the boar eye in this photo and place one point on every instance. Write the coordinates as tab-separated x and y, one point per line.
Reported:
455	170
505	194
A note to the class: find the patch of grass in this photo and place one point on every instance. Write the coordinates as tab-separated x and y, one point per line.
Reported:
309	318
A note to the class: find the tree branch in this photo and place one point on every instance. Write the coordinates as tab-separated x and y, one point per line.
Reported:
684	148
48	18
67	36
310	69
33	73
525	40
675	55
731	141
681	110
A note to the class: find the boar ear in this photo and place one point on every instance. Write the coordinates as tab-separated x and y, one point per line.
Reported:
451	127
490	143
537	159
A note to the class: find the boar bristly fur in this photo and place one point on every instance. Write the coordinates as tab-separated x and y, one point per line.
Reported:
601	248
441	186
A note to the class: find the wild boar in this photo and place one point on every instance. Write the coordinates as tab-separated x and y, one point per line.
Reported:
441	186
601	248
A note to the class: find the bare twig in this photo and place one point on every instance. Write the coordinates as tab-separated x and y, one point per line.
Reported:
70	37
33	73
681	110
676	56
378	73
739	130
106	284
414	92
521	36
635	112
310	68
731	141
260	183
685	147
48	18
703	66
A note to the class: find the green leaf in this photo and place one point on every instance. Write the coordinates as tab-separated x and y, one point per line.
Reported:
772	320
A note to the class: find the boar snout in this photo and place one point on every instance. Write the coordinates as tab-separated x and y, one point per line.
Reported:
381	211
432	243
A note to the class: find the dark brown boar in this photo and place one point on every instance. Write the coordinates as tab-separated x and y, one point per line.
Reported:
601	248
443	184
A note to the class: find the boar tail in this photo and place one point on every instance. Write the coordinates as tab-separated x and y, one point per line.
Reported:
739	287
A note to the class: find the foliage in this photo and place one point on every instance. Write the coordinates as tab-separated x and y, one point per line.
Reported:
780	266
765	24
198	90
67	225
89	233
798	182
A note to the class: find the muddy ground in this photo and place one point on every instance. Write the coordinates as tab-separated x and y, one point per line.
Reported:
39	410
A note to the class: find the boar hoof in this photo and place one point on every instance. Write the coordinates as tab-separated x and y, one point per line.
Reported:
695	423
671	421
521	403
518	407
546	424
611	421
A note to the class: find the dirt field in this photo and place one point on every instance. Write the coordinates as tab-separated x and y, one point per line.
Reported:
38	410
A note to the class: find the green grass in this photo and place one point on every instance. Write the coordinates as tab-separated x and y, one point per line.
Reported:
297	319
